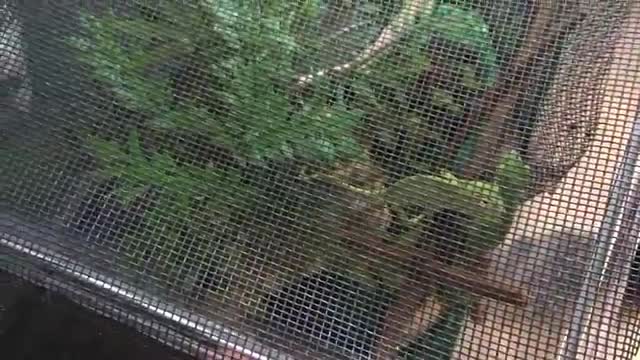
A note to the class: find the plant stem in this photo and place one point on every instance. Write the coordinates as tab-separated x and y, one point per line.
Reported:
389	35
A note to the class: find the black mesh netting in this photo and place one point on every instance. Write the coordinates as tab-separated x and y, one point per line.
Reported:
365	179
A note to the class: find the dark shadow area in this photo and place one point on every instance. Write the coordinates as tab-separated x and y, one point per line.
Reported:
632	292
36	324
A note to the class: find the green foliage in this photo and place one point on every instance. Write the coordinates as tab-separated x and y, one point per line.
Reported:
446	58
138	172
222	72
468	29
460	28
513	177
246	54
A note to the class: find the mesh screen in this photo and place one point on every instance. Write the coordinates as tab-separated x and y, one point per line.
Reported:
340	179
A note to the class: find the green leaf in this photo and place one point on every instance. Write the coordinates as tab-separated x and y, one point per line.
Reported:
111	158
126	193
467	28
250	53
134	148
513	177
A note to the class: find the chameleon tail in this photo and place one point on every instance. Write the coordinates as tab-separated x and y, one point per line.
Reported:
439	340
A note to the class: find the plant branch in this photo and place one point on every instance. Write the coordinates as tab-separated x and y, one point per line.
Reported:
459	278
481	286
431	275
389	35
497	103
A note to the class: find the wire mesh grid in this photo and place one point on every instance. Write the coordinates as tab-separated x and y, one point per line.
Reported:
366	179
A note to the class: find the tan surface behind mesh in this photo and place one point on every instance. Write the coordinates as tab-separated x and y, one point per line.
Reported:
579	203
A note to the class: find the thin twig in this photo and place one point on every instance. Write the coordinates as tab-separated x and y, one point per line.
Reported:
480	286
389	35
462	279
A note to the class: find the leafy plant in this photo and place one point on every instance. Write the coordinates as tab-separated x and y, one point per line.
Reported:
224	136
218	71
428	80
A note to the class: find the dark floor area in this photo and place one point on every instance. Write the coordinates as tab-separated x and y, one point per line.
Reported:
39	325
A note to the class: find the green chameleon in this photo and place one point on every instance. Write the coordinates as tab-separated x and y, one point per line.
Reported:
491	206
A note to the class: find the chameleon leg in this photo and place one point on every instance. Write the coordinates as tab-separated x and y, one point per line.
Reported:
479	308
399	315
410	296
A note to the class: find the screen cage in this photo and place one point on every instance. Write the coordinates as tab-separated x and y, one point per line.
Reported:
339	179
